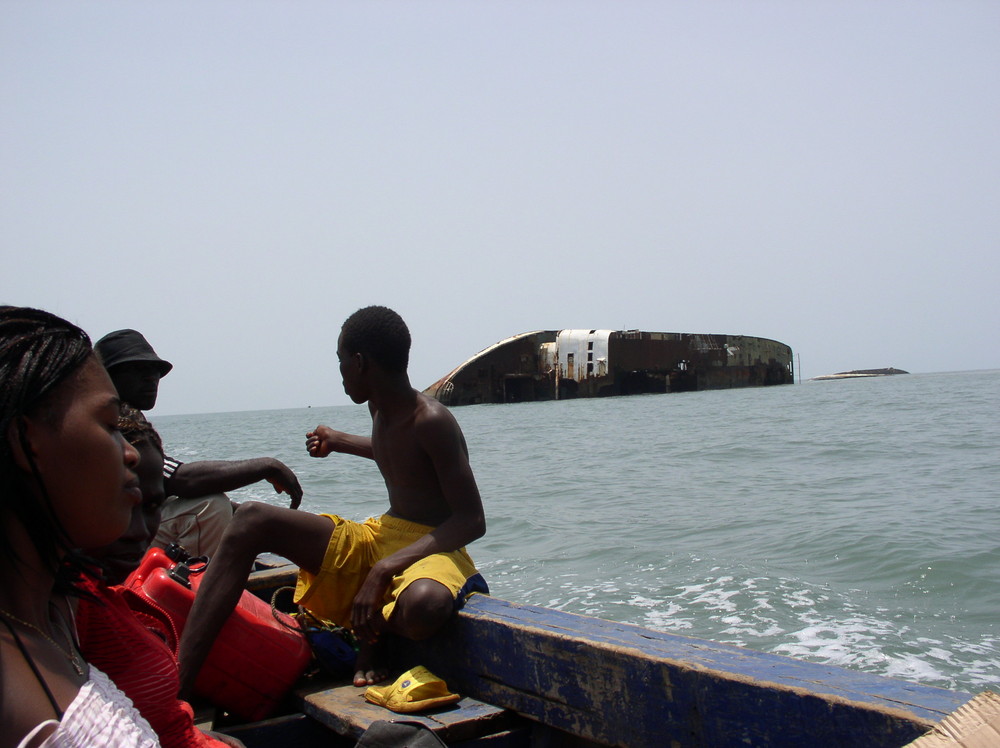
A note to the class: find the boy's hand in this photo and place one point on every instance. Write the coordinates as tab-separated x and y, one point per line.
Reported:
321	441
366	610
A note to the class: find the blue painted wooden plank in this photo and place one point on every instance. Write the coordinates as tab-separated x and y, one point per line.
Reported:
625	685
927	702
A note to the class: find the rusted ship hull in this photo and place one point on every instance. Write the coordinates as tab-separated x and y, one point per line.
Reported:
563	364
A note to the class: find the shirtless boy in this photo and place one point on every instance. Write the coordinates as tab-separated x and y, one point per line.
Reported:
404	572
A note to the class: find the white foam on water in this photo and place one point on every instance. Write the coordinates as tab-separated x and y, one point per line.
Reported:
773	614
911	667
744	631
845	643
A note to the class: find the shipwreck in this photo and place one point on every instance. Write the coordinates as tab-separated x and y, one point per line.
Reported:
564	364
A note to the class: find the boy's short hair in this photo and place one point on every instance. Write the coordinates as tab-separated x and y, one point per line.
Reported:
379	332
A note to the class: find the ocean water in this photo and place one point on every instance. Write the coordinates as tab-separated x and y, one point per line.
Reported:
852	522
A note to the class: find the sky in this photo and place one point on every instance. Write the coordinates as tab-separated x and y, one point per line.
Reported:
233	179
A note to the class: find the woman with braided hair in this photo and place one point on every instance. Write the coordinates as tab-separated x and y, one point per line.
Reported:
67	481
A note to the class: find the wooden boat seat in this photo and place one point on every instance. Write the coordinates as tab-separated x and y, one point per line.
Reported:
340	706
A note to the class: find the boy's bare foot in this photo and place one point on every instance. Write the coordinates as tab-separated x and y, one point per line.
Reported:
369	677
367	673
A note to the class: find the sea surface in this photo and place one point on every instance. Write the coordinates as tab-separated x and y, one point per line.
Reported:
851	522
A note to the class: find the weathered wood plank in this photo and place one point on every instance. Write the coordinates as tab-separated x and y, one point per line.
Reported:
264	581
342	707
630	686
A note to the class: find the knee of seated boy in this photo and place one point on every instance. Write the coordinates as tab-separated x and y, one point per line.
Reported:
423	608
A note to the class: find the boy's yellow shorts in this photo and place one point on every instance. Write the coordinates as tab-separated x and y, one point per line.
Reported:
353	550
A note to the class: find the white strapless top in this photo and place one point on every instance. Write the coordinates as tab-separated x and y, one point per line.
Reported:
100	715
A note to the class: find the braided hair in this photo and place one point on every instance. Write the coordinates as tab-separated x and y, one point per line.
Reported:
38	351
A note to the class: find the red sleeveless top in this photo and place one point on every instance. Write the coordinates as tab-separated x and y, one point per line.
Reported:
136	646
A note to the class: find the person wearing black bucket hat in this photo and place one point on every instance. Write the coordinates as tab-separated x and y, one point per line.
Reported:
197	511
126	346
133	366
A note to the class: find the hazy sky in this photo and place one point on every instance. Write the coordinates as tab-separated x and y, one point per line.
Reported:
234	178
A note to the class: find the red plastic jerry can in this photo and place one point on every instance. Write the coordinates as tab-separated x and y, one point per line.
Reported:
155	558
258	655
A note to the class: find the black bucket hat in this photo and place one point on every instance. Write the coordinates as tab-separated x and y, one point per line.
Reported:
127	346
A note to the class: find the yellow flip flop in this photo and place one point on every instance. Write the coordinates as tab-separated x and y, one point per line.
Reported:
414	691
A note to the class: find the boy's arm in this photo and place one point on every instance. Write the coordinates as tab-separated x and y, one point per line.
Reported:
192	479
442	440
323	441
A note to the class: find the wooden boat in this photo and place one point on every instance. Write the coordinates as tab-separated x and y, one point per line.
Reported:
532	676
